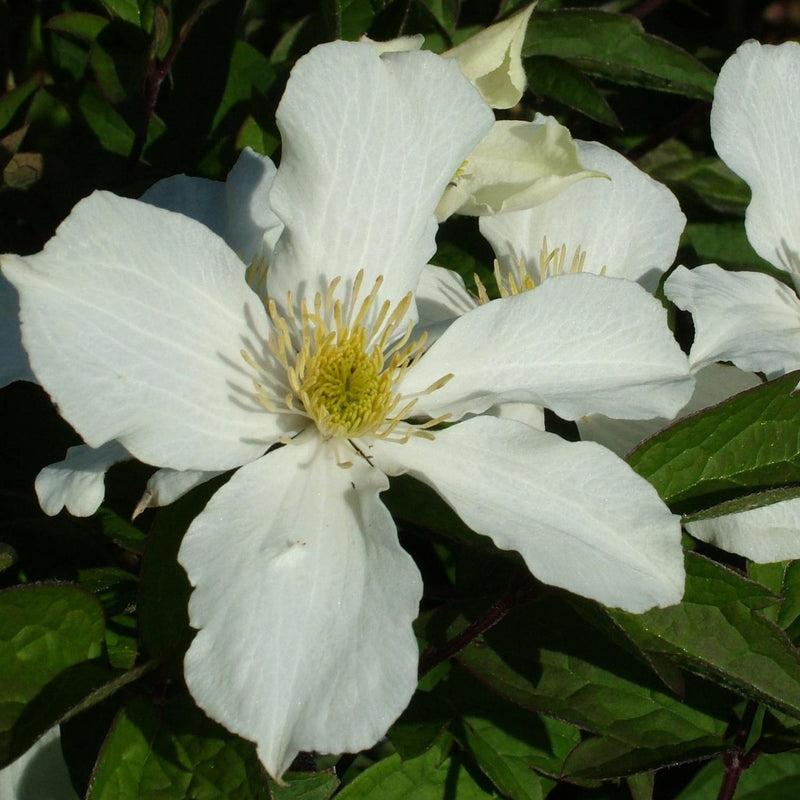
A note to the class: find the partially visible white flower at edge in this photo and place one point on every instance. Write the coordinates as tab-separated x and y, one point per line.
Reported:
39	774
314	383
749	318
516	165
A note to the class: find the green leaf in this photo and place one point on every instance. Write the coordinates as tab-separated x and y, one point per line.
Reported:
128	10
709	179
547	659
508	742
78	23
172	752
44	629
120	530
305	786
615	47
773	776
746	443
725	243
716	632
111	130
420	725
445	12
427	777
561	81
13	100
8	556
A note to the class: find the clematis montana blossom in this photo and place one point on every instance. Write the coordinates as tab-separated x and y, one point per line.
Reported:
749	318
313	381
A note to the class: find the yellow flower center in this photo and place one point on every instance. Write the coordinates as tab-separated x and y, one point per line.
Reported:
342	363
519	279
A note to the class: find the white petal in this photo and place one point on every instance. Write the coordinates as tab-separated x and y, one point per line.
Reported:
755	125
134	319
441	295
401	44
357	188
748	318
577	344
517	165
528	413
78	482
39	774
14	364
628	225
578	515
714	383
167	485
304	600
764	534
492	59
252	227
238	210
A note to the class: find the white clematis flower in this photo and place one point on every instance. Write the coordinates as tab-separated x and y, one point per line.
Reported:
148	329
40	773
749	318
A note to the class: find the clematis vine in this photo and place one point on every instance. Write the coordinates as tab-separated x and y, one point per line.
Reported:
749	318
314	381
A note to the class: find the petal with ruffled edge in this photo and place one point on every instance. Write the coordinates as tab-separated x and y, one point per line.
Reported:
304	601
516	165
134	319
578	514
359	181
748	318
78	482
40	773
14	364
165	486
755	119
238	209
765	534
714	383
628	226
492	59
577	344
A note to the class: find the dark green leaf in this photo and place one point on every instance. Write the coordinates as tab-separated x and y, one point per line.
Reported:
128	10
615	46
111	130
546	658
13	100
716	632
123	532
561	81
172	752
420	725
44	629
426	777
725	243
508	742
746	443
78	23
8	556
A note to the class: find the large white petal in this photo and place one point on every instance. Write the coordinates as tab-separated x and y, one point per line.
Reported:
238	210
714	383
764	534
578	515
755	125
304	602
78	482
628	225
577	344
14	364
39	774
369	144
134	319
748	318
